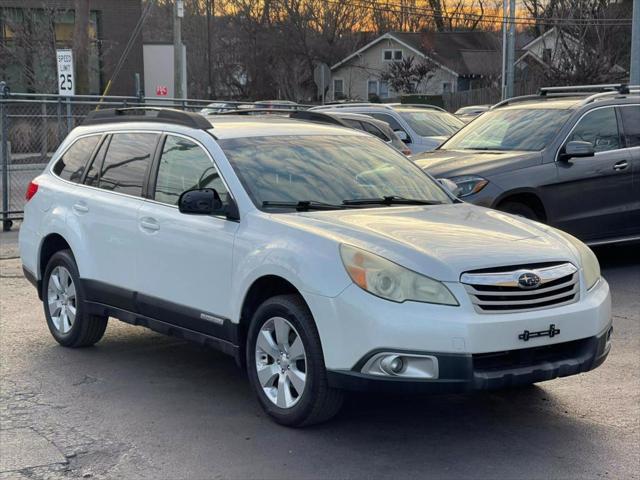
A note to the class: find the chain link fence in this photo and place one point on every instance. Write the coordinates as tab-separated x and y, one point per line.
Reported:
32	126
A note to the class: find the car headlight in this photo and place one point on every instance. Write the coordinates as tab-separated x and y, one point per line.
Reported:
469	184
390	281
588	259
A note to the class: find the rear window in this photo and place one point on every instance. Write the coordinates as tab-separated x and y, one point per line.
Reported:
127	162
72	164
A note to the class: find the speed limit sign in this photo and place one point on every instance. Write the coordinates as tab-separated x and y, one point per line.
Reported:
66	81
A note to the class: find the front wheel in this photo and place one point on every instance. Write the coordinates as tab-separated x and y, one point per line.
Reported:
63	298
286	366
519	209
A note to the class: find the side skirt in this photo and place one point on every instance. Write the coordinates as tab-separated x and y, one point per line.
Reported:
163	327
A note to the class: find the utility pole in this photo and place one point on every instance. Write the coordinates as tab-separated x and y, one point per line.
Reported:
634	78
178	60
511	48
503	77
210	83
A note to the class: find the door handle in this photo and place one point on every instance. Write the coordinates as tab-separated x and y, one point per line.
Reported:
149	224
80	207
621	165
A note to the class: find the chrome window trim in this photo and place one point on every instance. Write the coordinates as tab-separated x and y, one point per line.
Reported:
138	197
562	144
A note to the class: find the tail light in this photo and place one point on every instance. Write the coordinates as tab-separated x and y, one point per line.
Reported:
31	191
406	151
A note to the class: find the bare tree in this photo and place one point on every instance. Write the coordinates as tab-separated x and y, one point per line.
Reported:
406	75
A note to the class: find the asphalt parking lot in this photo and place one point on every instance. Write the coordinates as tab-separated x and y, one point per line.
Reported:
140	405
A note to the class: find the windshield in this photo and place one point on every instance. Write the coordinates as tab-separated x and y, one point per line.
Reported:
326	169
431	123
528	129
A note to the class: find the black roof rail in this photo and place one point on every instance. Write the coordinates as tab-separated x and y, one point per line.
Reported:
251	111
147	114
607	87
314	116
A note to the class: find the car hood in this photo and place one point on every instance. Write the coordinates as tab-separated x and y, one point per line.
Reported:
449	163
440	241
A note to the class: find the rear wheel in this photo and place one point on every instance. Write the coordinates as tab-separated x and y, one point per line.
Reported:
63	300
286	366
520	209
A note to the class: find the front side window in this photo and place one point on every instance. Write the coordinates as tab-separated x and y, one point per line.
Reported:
185	166
327	169
72	164
524	129
127	161
631	122
600	128
393	123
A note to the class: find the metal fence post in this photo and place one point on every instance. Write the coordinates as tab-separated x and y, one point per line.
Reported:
6	223
45	131
69	119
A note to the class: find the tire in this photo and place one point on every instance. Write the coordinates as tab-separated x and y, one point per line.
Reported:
519	209
317	402
70	330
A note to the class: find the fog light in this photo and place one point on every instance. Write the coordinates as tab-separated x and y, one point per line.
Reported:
405	365
392	365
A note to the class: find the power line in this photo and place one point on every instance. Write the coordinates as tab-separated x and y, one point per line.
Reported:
425	11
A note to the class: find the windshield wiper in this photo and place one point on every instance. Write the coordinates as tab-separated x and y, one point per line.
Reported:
390	200
303	205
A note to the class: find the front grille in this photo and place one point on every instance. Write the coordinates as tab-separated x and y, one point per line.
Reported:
498	290
529	356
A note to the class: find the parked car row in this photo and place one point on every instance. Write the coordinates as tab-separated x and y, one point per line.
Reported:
317	256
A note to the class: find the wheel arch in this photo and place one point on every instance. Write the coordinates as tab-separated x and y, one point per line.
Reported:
50	245
261	289
526	196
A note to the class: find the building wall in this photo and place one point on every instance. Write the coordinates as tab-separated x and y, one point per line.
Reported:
116	21
369	65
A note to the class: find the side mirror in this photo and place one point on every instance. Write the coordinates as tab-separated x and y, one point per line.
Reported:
575	149
450	185
402	135
205	201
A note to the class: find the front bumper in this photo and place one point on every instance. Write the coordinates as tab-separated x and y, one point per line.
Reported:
467	372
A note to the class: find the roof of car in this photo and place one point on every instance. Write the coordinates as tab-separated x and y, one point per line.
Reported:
561	103
239	126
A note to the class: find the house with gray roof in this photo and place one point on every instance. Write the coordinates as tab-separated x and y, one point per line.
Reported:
460	60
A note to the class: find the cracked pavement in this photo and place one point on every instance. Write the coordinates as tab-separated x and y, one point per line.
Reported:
141	405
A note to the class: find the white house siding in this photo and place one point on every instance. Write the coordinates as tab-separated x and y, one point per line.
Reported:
369	64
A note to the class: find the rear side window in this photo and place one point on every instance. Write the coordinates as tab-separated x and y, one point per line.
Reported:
375	131
72	164
600	128
127	162
631	123
185	166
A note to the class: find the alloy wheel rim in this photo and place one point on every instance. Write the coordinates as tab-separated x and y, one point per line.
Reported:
281	362
61	298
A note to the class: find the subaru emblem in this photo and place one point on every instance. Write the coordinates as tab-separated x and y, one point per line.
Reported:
528	280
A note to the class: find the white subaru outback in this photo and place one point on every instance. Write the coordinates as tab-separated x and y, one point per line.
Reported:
319	257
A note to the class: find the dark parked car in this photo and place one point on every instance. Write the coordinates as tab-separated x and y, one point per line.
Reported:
567	156
368	124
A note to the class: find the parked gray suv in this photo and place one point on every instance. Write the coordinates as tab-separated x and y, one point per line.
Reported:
567	157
